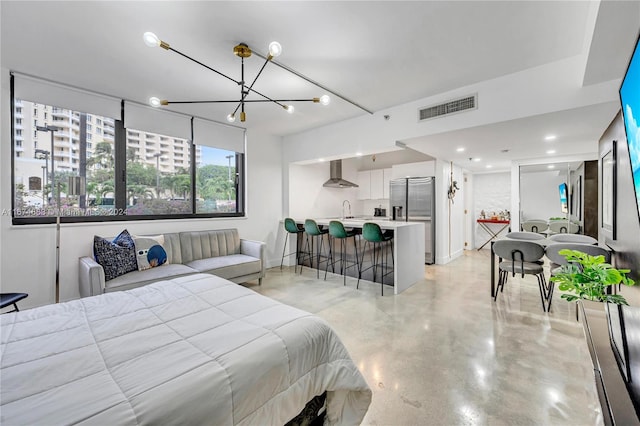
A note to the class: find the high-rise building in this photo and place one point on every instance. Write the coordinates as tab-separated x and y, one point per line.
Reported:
33	147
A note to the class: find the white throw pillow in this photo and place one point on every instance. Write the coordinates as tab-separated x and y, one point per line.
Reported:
150	251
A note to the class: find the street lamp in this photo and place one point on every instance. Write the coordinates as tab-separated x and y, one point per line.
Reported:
157	155
229	157
43	175
50	129
43	154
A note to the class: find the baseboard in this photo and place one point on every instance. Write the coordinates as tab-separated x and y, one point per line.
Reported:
443	260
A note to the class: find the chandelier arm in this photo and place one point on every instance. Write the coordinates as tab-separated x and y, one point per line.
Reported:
250	88
208	102
304	77
204	65
245	101
267	98
222	74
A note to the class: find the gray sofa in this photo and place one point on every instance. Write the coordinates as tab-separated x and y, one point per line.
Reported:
219	252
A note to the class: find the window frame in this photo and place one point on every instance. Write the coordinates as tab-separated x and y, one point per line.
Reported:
120	148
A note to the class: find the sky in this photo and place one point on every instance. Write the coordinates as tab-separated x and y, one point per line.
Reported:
215	156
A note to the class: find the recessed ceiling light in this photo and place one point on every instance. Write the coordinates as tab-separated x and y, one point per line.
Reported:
551	166
549	137
460	149
477	159
551	151
489	166
358	154
321	160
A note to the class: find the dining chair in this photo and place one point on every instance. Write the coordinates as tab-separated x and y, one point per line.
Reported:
573	238
521	257
556	260
535	225
563	226
525	236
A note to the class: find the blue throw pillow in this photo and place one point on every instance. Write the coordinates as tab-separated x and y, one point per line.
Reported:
116	257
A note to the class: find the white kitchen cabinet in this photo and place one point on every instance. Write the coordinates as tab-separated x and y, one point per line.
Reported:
374	184
377	181
386	179
364	185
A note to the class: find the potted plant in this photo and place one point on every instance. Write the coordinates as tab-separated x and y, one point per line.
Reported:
588	277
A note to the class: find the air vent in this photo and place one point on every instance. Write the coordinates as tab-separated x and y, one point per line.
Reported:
450	107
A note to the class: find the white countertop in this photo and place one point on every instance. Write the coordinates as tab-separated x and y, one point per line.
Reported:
358	222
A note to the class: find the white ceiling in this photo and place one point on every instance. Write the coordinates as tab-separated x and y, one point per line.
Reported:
377	53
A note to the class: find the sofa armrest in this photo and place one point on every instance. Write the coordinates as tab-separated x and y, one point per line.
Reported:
254	249
91	277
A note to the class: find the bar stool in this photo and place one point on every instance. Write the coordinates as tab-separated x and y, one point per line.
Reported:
312	230
372	233
336	230
292	228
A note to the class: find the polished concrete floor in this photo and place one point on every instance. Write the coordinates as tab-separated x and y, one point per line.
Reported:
444	353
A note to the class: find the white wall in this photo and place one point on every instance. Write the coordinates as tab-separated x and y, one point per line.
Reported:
492	193
28	251
309	199
449	215
539	196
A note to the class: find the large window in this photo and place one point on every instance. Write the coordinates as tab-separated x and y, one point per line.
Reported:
41	174
216	181
158	174
150	169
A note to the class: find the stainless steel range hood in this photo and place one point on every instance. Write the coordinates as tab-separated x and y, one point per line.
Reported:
335	177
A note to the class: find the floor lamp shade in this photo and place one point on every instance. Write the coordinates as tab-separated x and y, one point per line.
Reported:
77	185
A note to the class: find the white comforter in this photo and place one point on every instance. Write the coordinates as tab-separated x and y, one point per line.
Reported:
193	350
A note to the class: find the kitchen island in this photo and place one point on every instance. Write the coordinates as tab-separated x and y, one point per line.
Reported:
408	248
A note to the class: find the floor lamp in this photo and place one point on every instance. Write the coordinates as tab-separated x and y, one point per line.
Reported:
75	186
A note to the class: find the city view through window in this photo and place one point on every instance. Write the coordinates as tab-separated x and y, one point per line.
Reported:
51	144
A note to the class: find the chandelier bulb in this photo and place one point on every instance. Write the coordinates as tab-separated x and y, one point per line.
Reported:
154	102
231	118
325	100
289	109
275	49
150	39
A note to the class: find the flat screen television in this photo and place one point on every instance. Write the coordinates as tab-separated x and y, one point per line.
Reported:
624	321
630	100
562	189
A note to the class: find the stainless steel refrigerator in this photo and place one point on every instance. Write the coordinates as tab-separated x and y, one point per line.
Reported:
413	200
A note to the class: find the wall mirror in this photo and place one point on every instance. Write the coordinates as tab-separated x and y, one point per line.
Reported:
552	191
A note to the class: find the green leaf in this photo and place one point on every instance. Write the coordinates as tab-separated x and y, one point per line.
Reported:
587	277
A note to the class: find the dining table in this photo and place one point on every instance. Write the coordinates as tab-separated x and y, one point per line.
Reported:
544	242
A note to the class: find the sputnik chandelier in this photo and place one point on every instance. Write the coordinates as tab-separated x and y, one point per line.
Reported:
242	51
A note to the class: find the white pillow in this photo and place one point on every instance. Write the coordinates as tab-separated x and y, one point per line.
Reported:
150	251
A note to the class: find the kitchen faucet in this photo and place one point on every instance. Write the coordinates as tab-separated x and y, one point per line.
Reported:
349	204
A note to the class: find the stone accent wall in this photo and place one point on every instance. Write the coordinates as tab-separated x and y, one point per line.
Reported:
491	192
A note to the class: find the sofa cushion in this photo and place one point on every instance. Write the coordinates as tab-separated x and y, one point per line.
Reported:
231	266
116	257
172	247
139	278
205	244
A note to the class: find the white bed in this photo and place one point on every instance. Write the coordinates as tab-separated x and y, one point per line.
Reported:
192	350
